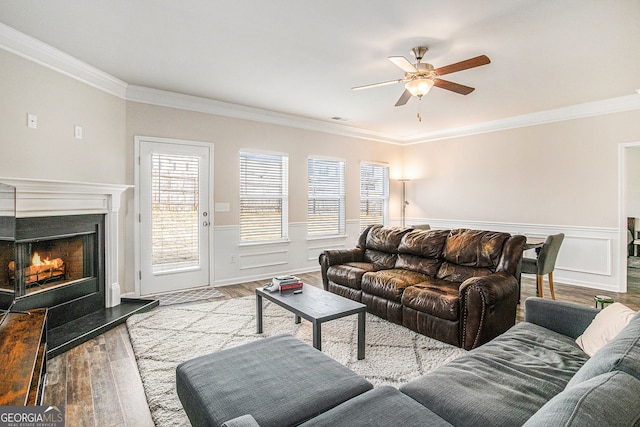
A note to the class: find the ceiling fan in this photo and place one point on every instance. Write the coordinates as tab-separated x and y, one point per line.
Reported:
421	76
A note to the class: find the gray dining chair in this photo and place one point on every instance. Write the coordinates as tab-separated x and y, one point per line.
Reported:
544	263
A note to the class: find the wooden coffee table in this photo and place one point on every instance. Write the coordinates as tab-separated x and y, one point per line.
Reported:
317	306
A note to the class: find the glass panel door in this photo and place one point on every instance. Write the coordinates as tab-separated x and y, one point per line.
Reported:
174	216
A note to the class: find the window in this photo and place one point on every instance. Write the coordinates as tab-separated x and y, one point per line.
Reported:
326	200
263	196
174	211
374	194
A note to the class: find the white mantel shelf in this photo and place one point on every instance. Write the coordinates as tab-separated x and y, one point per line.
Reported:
38	198
35	197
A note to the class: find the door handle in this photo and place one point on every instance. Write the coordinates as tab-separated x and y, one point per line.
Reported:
205	224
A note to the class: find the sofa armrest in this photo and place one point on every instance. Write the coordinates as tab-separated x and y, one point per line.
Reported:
563	317
337	257
512	255
488	305
342	256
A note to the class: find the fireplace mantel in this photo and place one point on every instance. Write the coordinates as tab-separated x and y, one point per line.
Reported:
38	198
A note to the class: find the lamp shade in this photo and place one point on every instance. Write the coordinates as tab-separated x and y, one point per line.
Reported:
419	87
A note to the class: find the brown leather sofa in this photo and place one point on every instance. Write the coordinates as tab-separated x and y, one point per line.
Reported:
457	286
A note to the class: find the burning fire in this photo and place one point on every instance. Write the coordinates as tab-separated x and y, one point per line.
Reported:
35	260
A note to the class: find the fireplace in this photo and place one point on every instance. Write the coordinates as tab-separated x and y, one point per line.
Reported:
53	262
57	262
75	227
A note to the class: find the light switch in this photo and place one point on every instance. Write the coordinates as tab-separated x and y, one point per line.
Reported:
32	121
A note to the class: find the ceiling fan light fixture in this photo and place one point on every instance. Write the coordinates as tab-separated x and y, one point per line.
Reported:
419	87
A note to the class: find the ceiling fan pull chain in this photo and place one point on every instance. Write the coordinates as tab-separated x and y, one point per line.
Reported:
419	115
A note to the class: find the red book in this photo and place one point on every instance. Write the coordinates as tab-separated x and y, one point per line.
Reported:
291	286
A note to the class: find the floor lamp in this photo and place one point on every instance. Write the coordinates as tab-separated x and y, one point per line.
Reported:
404	200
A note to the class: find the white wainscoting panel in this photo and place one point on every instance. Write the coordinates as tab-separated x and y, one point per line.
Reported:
237	263
588	256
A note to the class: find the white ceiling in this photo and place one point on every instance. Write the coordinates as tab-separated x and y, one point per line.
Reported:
301	57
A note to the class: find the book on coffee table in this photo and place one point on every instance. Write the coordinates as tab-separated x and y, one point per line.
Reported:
283	283
291	286
281	280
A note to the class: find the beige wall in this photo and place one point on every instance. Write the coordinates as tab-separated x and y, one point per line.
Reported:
229	136
60	102
563	173
51	152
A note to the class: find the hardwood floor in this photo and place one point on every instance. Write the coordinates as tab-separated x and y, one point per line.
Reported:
99	383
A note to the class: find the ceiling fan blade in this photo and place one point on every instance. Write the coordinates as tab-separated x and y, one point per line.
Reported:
453	87
463	65
390	82
406	95
403	63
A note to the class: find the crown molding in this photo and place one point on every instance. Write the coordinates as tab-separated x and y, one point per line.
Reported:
205	105
34	50
589	109
41	53
163	98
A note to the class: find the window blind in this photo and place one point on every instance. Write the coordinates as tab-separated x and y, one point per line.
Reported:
374	194
263	196
174	210
326	197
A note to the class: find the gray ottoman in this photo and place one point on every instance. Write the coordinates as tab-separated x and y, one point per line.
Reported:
280	381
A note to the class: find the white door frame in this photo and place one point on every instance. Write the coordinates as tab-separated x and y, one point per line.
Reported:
136	203
622	210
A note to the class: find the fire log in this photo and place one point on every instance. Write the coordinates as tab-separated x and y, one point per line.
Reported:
36	273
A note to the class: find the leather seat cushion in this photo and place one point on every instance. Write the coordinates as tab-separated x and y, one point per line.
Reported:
390	284
349	274
379	259
428	266
434	296
460	273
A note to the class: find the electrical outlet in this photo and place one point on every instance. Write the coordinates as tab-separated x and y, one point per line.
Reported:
233	259
32	121
78	132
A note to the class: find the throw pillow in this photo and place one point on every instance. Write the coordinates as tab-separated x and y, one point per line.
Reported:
620	354
604	327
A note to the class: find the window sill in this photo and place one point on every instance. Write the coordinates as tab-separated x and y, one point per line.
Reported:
264	242
333	236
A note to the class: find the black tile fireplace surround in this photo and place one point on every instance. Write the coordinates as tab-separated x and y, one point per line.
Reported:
75	292
76	239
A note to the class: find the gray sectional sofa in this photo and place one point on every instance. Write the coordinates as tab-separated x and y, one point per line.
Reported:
534	375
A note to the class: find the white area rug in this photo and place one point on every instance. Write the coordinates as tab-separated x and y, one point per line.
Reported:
165	337
187	296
